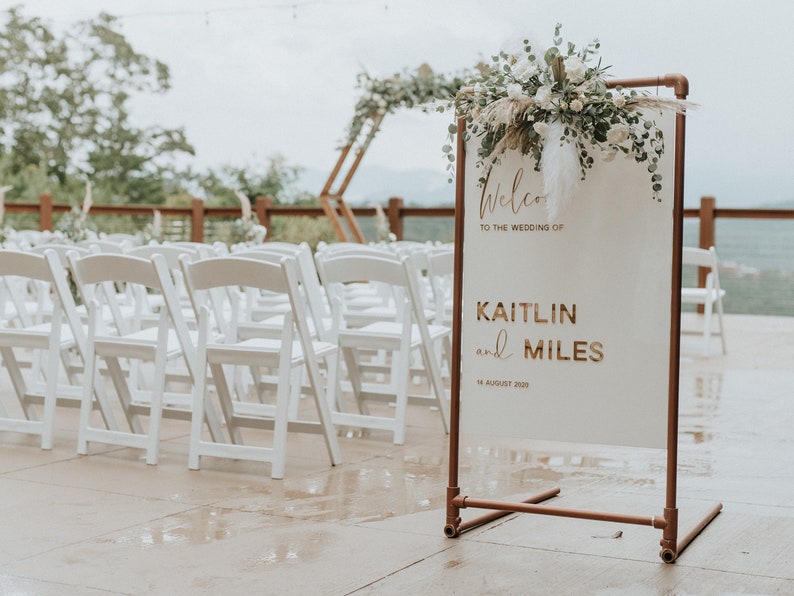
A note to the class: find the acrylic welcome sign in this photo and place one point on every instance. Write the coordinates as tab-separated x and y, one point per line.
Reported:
565	326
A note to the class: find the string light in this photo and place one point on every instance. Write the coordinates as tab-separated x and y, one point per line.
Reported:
293	6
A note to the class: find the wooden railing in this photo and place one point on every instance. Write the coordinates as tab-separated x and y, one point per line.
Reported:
396	212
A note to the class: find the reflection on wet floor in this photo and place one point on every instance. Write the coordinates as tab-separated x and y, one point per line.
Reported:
199	526
107	523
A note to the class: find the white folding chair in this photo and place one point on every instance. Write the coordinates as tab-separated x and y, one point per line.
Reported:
364	302
171	255
166	342
440	270
111	246
710	296
52	342
312	291
405	333
293	349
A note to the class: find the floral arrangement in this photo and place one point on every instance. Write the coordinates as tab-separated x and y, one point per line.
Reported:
246	229
152	231
408	90
554	106
74	225
550	104
383	231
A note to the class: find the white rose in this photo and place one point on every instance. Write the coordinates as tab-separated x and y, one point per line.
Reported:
577	105
617	134
574	68
541	128
515	91
524	68
543	96
619	100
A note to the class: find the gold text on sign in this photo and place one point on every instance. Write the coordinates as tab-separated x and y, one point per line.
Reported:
526	312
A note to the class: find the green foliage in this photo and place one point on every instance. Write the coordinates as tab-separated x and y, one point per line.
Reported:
64	110
302	229
275	179
406	90
514	102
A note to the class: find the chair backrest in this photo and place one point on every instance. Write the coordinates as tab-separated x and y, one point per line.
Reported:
105	245
346	268
441	262
338	248
20	301
239	272
62	289
205	250
702	257
313	291
49	271
399	276
706	258
129	240
440	272
62	250
171	253
95	271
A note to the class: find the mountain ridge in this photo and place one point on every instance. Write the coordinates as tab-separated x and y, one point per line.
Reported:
377	184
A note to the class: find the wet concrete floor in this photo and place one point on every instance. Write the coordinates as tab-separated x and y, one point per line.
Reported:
107	523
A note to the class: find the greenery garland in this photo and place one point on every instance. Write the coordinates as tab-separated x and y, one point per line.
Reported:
422	89
520	101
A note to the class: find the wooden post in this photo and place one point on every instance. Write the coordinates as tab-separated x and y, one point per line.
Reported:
395	217
197	221
707	236
262	207
45	212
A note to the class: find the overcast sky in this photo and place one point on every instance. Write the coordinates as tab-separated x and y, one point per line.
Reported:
252	78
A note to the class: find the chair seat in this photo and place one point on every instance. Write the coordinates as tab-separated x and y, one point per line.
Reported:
36	336
140	344
255	351
387	331
699	295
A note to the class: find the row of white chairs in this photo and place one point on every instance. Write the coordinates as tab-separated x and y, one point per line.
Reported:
230	342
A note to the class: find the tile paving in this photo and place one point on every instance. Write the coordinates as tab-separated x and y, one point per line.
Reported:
107	523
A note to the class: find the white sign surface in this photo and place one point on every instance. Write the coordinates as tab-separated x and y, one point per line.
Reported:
566	325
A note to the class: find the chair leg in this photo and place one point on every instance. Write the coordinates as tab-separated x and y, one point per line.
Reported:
707	314
197	417
158	389
90	374
51	391
403	371
283	395
437	384
352	362
722	326
123	392
18	381
323	404
225	399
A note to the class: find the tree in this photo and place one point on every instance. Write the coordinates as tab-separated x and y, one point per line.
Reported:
64	109
275	179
